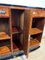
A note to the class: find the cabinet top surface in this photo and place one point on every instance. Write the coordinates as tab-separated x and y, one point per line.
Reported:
19	6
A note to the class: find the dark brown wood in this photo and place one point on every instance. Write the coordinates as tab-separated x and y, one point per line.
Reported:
26	32
10	22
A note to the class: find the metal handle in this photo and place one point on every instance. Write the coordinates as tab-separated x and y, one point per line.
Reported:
2	11
34	12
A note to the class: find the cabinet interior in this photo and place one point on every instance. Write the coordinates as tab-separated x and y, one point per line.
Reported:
36	31
4	25
17	28
38	23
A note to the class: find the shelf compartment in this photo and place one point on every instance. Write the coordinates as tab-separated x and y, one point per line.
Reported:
17	20
37	25
34	42
15	48
4	36
5	42
35	31
5	47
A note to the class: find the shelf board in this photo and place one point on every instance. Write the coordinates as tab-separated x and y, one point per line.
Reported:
4	36
15	48
4	50
34	42
4	16
35	31
16	30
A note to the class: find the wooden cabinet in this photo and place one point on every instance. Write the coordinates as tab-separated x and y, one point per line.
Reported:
20	29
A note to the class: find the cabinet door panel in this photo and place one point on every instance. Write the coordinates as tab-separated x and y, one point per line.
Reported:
26	32
37	13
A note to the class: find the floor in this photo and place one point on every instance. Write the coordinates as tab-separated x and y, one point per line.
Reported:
38	54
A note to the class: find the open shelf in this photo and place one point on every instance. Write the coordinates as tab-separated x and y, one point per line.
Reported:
34	42
37	25
17	46
17	17
17	20
35	31
16	43
4	36
4	25
5	47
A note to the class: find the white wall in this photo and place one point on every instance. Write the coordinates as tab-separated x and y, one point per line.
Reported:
34	3
31	3
44	32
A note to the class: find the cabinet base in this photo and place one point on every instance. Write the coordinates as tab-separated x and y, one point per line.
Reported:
34	48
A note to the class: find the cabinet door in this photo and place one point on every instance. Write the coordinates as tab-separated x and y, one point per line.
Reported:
26	32
4	11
